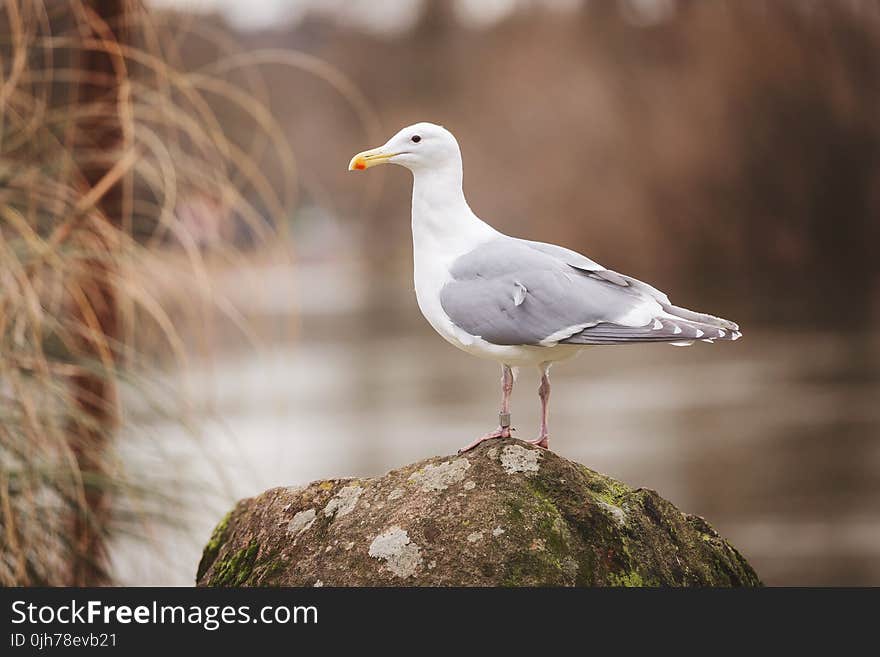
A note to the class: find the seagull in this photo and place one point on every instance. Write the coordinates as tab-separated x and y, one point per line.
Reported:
514	301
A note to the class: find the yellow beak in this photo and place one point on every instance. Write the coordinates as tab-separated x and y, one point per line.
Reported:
367	159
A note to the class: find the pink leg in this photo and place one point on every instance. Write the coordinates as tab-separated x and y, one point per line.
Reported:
503	431
543	439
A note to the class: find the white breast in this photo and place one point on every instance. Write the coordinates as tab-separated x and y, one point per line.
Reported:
429	281
432	260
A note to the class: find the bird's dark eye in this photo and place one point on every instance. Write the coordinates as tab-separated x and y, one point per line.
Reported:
416	138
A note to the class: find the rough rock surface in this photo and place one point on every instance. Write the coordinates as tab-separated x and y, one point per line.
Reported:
504	514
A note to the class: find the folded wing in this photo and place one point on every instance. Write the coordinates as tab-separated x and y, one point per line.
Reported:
516	292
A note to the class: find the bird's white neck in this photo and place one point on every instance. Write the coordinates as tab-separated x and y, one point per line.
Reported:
442	221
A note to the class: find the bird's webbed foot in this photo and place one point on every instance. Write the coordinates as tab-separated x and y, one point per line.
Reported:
500	432
541	441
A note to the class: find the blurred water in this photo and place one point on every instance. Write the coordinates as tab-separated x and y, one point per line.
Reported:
774	439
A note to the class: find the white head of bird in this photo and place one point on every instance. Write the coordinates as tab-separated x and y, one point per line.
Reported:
419	147
431	152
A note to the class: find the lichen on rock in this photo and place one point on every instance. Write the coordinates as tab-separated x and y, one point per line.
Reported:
344	501
515	458
301	521
506	514
394	547
440	476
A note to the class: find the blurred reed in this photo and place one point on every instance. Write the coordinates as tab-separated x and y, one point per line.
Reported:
112	157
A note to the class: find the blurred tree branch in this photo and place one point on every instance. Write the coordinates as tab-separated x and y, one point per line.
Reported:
104	89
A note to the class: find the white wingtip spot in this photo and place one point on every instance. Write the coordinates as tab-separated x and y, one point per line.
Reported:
700	334
676	329
721	333
736	335
657	324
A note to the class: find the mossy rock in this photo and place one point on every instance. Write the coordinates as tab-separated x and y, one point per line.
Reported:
504	514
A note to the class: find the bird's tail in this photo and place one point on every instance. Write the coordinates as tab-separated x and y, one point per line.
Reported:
701	318
677	326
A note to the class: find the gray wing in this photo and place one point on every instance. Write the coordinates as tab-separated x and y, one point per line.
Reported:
515	292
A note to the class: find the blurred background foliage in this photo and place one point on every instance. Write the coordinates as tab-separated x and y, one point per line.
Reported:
683	140
114	154
197	301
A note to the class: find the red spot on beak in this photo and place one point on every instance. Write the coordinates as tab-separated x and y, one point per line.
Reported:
360	165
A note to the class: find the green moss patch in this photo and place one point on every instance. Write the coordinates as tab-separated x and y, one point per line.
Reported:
212	548
235	569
